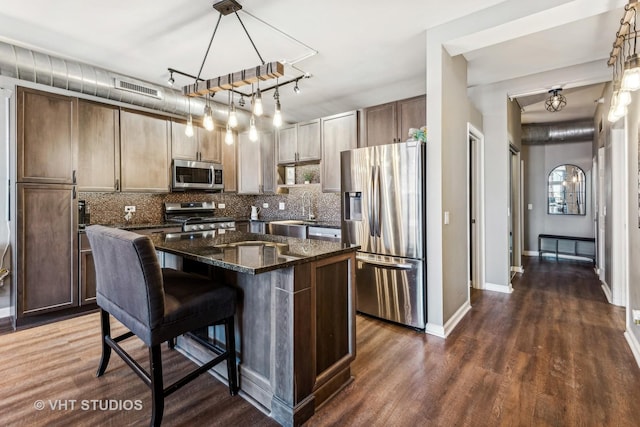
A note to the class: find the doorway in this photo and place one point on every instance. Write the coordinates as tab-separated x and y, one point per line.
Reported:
515	211
475	194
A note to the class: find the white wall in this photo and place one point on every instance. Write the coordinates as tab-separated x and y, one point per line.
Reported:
539	161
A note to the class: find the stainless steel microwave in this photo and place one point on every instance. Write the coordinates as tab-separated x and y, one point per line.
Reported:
192	175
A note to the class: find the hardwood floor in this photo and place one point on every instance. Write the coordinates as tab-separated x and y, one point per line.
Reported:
551	353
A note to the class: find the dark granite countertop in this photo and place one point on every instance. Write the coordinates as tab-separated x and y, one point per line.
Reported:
250	253
310	223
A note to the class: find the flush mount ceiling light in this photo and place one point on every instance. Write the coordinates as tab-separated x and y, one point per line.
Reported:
556	101
262	72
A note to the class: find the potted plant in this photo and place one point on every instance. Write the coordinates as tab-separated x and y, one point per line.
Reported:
308	176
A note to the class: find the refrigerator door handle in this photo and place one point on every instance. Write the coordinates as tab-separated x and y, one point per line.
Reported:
376	190
384	264
370	203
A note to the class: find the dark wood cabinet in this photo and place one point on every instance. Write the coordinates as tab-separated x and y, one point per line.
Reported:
144	145
256	164
87	272
98	147
47	133
390	123
339	133
299	143
203	146
47	249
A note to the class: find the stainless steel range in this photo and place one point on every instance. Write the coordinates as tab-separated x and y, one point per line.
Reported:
197	216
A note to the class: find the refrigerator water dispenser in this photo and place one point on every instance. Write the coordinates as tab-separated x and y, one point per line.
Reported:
353	206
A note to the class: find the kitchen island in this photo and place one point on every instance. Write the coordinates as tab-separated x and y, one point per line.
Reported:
295	323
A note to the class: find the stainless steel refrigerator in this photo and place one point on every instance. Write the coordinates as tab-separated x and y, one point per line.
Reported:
383	205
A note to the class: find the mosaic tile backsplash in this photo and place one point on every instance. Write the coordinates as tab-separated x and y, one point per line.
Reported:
108	208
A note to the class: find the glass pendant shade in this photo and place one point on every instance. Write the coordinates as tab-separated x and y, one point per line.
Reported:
277	116
189	129
631	76
233	117
253	132
257	104
228	137
624	97
207	120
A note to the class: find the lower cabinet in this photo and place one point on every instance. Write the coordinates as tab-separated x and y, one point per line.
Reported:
87	273
47	250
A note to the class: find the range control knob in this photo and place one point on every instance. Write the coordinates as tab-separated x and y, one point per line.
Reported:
201	227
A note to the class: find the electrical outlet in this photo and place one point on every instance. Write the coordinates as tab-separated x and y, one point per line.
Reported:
636	316
281	206
128	209
265	205
221	205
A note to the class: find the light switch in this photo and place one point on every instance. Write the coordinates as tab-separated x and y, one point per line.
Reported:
221	205
265	205
446	217
530	206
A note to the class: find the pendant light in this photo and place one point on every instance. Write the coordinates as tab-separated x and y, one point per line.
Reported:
228	137
253	132
277	115
556	101
189	129
257	102
232	120
207	120
631	75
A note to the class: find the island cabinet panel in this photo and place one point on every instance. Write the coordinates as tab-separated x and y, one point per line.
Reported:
47	249
98	147
144	143
332	332
47	134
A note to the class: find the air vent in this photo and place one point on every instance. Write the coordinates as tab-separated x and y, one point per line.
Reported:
136	88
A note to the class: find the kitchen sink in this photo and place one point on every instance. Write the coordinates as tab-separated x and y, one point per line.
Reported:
289	227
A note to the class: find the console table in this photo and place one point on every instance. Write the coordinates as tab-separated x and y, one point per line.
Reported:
584	247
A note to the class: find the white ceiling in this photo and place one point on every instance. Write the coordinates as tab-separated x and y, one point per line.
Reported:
369	52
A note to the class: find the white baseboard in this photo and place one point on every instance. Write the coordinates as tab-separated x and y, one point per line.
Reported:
505	289
552	255
634	345
530	253
450	325
5	312
517	269
607	292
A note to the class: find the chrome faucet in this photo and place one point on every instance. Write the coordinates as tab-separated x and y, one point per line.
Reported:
307	196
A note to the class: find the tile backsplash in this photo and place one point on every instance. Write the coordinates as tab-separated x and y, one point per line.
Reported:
108	208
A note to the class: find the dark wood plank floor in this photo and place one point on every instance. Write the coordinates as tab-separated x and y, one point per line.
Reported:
551	353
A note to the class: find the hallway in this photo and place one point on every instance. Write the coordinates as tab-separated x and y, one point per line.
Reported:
550	353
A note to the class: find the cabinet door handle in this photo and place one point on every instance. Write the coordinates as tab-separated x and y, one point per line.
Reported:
74	193
117	184
73	177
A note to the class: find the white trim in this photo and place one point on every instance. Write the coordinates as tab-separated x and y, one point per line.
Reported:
530	253
5	312
518	269
478	136
444	331
619	204
607	292
634	345
553	255
505	289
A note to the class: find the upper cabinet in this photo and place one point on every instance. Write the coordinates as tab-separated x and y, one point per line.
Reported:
145	159
203	146
339	133
47	135
256	164
299	143
389	123
98	147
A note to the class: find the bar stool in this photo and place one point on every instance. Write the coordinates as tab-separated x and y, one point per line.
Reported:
156	305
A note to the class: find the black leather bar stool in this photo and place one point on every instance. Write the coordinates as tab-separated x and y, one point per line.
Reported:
156	305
